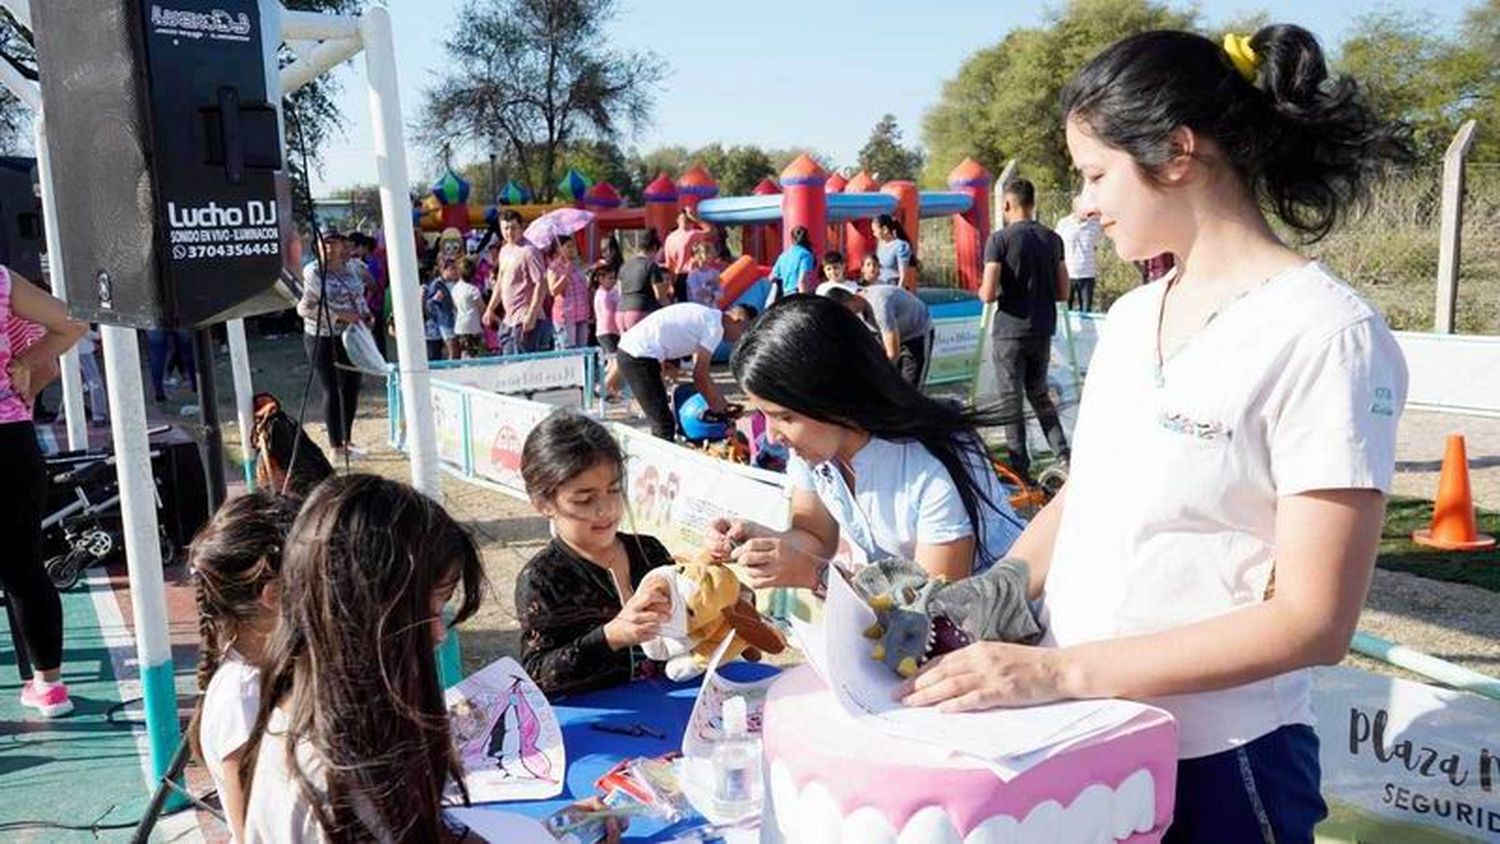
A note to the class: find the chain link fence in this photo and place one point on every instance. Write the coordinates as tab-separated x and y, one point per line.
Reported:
1387	251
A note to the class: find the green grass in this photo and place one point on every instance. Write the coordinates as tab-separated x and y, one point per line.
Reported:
1399	553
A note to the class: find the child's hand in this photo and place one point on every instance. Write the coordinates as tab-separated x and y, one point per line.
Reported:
641	618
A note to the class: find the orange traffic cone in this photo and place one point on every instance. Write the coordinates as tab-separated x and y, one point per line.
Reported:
1453	525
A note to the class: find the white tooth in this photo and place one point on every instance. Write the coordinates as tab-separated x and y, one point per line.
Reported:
1091	815
867	825
1135	805
1000	829
1042	824
930	825
784	800
820	818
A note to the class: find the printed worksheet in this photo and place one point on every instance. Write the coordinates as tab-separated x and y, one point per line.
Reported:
507	735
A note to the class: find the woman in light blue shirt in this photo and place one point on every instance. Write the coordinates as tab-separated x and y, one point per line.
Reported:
893	471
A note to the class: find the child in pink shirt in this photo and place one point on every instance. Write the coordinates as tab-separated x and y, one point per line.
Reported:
606	306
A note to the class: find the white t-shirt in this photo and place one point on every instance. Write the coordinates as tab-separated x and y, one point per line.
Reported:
1080	240
904	497
1171	511
230	704
676	331
277	812
468	304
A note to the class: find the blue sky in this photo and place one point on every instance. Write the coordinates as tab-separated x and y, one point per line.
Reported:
779	73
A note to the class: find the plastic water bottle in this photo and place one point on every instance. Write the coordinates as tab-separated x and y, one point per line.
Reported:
736	764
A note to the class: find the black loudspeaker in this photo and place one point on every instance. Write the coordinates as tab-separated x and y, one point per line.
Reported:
178	468
164	155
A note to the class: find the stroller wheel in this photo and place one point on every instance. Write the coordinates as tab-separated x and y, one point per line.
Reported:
1051	480
65	569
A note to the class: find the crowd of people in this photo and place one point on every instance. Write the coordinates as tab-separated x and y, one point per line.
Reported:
1215	538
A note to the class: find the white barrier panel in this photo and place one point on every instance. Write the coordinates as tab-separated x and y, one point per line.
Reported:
521	376
1452	372
1405	761
952	357
675	492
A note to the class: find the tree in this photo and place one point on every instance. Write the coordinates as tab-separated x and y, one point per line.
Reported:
532	76
883	156
1003	102
1399	61
742	170
16	48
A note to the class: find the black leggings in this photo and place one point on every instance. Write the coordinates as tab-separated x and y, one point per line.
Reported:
29	592
340	386
644	377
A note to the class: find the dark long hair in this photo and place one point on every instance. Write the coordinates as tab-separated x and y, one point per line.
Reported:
562	446
233	559
1308	145
811	355
890	222
352	657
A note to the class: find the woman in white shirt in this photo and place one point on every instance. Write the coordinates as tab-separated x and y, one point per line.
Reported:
1236	436
874	460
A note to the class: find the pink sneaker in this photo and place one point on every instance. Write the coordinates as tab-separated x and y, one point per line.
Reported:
51	703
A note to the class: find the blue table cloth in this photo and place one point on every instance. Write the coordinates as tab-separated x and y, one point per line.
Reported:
659	704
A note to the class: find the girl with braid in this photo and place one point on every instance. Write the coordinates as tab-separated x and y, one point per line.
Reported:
236	564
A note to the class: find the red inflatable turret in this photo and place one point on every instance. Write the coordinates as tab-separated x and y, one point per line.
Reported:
661	205
803	203
601	197
835	236
859	241
906	213
764	242
971	228
694	186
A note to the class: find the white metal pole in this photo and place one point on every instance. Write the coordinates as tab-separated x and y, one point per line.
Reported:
244	391
400	244
148	597
72	380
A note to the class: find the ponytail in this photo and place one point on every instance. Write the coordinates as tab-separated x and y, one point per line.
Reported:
1307	144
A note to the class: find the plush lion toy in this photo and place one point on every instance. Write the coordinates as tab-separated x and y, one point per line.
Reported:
708	604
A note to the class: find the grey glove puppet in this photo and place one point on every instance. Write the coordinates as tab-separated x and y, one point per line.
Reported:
919	617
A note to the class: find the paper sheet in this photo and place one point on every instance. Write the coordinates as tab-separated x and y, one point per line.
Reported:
502	827
506	734
1007	740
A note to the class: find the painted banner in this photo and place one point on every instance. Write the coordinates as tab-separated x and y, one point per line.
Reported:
675	492
1405	761
498	426
448	419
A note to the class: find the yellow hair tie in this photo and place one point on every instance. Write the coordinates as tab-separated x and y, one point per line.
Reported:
1242	55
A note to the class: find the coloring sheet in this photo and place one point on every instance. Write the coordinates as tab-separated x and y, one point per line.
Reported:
508	739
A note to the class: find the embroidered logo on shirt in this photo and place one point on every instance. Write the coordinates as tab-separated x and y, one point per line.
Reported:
1385	402
1181	424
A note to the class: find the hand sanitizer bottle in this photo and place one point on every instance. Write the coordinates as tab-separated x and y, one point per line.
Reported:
736	764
